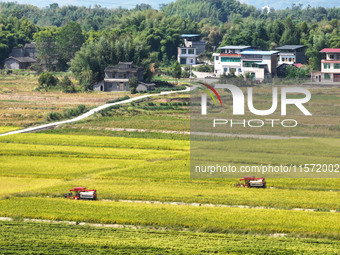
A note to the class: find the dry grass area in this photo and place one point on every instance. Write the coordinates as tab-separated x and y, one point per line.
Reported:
20	105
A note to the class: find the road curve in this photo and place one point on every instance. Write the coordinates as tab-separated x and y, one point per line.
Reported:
89	113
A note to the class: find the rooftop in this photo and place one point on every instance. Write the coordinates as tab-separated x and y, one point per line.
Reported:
290	47
259	52
330	50
233	47
190	35
22	59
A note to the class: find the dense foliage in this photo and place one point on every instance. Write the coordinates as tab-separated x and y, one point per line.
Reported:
14	32
87	40
214	10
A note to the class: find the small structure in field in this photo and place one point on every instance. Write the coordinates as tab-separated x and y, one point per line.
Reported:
144	87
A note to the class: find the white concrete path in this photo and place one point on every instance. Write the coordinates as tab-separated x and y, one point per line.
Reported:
89	113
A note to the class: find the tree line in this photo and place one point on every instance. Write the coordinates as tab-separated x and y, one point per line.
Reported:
87	40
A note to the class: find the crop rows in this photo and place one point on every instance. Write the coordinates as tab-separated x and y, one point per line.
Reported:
207	219
145	169
64	239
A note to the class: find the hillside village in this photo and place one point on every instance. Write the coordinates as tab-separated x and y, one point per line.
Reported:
231	60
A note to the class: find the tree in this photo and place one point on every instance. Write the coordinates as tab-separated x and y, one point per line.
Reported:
290	34
45	44
176	70
133	83
67	85
47	80
69	39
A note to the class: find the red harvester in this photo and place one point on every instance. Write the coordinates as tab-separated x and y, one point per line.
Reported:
252	182
82	193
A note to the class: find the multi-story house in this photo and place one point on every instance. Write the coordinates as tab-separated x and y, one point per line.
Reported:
189	51
292	54
330	65
187	56
261	65
228	60
237	60
117	77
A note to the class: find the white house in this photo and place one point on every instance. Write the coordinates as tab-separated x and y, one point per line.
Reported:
189	51
261	65
228	60
330	66
187	56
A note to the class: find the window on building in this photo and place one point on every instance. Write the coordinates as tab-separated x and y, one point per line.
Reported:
326	65
294	60
183	61
290	59
226	59
239	70
184	51
217	58
191	61
331	56
191	51
283	59
286	59
327	76
336	66
226	69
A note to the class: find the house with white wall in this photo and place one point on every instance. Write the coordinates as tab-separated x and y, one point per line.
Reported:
292	54
330	66
228	60
187	55
261	65
191	48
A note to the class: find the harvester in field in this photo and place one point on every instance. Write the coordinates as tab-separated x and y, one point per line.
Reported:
252	182
82	193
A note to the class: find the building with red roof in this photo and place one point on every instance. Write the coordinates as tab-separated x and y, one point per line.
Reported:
330	66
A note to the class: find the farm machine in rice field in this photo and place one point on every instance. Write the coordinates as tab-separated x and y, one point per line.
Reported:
252	182
81	193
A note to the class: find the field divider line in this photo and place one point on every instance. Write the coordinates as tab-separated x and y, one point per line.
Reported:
251	136
130	226
89	113
210	205
120	226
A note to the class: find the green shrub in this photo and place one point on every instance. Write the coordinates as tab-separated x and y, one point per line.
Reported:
47	80
67	85
118	99
54	116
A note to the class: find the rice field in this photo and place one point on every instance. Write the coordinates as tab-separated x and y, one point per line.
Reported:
37	169
44	238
